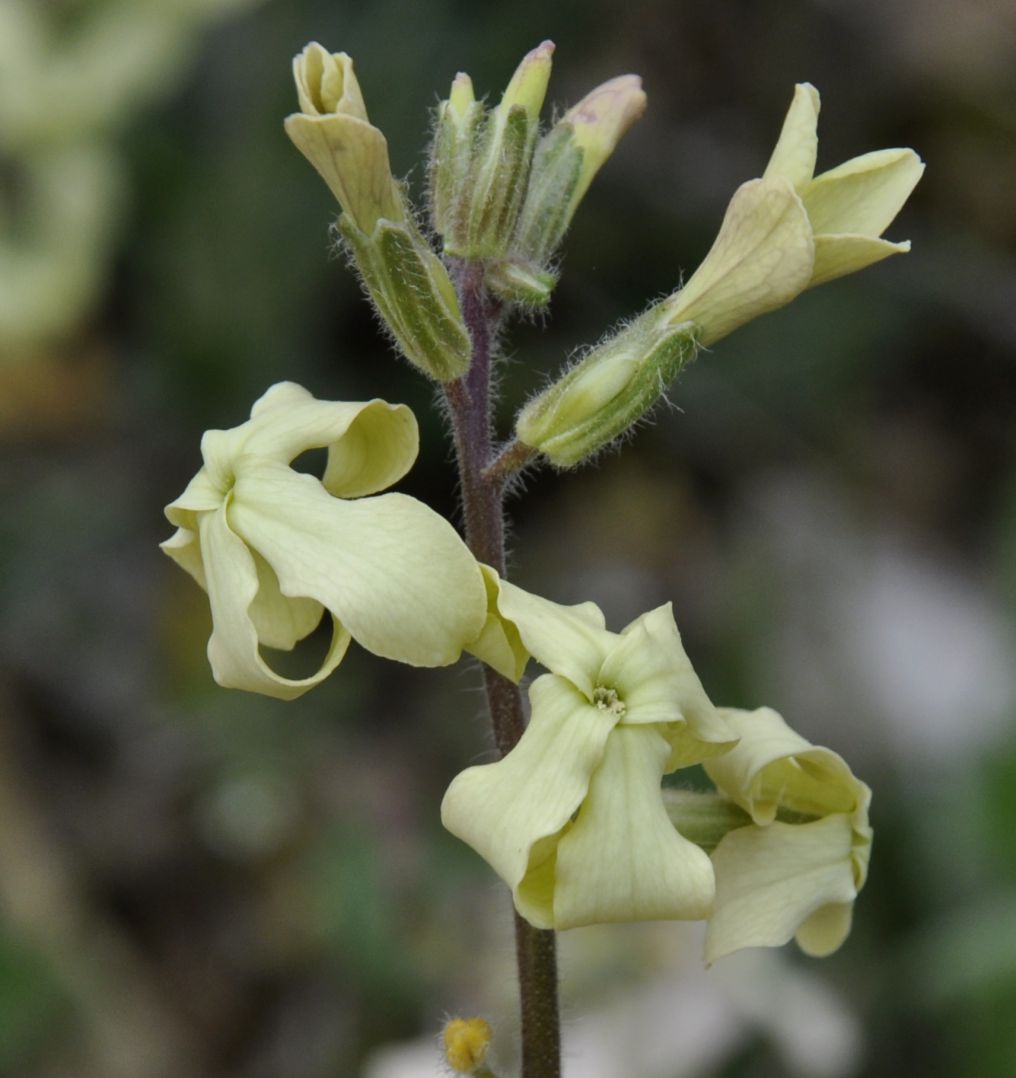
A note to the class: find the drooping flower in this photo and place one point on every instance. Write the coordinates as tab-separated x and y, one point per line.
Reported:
791	230
275	548
797	868
573	818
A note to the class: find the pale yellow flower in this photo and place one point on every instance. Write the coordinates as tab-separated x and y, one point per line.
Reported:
276	548
791	230
573	817
795	871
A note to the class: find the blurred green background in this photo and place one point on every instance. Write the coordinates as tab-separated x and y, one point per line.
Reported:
197	882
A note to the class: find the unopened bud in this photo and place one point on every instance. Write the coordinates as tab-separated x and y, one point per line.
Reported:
569	156
452	159
414	296
608	391
503	158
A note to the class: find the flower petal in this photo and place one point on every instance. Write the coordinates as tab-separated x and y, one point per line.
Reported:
836	256
184	548
653	676
773	767
351	156
826	929
201	494
569	640
394	573
278	620
864	194
797	147
499	644
232	581
371	444
505	810
326	82
771	881
761	259
623	860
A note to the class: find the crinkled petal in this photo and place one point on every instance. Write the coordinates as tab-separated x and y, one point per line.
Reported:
201	495
394	573
371	444
826	929
232	582
773	767
569	640
864	194
761	259
499	644
771	881
504	810
623	860
797	147
836	256
278	620
653	675
184	548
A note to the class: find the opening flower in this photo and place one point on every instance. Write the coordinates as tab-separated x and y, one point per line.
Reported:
573	817
791	230
333	132
797	868
274	548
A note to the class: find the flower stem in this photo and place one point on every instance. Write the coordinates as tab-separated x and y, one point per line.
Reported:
469	406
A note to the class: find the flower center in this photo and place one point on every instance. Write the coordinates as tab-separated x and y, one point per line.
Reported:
608	700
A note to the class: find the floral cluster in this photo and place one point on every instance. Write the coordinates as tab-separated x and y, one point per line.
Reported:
576	818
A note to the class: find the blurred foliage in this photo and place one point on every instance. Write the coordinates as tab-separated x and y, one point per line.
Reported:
194	882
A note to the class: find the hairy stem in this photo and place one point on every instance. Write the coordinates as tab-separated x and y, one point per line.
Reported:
469	405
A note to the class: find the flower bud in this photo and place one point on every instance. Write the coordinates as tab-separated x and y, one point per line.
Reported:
333	133
405	279
569	156
608	391
502	161
413	294
452	158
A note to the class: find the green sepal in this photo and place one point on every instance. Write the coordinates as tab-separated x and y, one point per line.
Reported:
412	292
498	184
548	208
608	391
702	817
451	166
517	282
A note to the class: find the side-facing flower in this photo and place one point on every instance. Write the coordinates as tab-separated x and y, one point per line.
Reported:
797	868
573	818
781	234
791	230
274	548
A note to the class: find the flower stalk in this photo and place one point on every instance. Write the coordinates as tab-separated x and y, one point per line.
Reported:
469	408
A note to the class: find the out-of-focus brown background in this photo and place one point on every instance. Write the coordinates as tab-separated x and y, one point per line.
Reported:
198	882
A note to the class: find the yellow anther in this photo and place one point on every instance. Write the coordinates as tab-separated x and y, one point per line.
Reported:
466	1041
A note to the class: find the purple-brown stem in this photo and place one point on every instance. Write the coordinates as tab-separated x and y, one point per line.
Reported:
469	405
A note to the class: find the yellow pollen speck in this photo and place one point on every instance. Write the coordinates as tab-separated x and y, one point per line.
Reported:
466	1041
